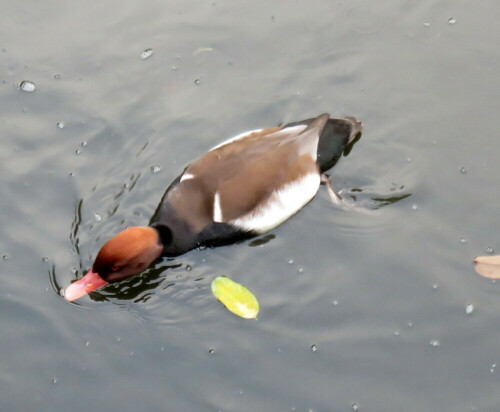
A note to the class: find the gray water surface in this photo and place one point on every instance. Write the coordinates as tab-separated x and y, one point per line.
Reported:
361	310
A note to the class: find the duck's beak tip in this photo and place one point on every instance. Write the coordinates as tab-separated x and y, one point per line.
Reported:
90	282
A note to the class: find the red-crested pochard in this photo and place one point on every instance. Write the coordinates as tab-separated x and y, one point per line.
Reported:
242	187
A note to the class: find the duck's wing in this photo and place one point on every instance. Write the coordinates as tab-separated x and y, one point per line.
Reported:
259	181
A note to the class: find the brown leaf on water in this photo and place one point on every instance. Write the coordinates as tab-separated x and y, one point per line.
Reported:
488	266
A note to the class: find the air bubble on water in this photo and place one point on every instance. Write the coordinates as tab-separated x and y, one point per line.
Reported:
335	302
410	324
74	270
60	125
5	257
314	348
174	67
197	81
189	268
290	261
54	380
45	259
408	159
300	270
155	168
97	217
489	250
452	20
57	76
71	174
469	309
355	407
118	339
78	151
84	143
463	170
463	240
211	351
435	286
27	86
397	333
492	368
414	206
427	24
435	343
146	54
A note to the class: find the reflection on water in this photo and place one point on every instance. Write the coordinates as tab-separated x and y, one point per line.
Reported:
138	288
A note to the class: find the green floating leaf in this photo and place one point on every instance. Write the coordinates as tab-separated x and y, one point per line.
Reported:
488	266
235	297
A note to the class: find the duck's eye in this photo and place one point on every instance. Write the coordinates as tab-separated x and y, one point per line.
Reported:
115	268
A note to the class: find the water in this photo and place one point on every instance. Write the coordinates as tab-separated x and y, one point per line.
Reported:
425	92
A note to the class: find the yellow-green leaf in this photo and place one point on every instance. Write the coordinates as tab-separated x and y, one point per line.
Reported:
235	297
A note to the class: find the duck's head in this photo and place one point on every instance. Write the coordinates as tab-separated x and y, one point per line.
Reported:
128	253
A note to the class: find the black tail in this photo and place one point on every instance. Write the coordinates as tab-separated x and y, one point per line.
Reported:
335	137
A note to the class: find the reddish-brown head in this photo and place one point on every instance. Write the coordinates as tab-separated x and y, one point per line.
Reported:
128	253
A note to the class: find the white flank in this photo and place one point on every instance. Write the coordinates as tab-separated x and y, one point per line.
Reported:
217	209
187	176
238	137
282	204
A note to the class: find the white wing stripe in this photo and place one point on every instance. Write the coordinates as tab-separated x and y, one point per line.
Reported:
232	139
187	176
217	209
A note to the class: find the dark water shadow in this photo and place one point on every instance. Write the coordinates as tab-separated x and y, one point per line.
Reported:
139	288
260	241
367	199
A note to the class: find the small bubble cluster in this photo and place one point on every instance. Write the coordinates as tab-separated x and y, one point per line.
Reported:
60	125
489	250
435	343
155	169
145	54
314	348
452	20
27	86
469	309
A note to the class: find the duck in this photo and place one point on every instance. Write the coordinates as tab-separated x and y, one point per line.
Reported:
243	187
